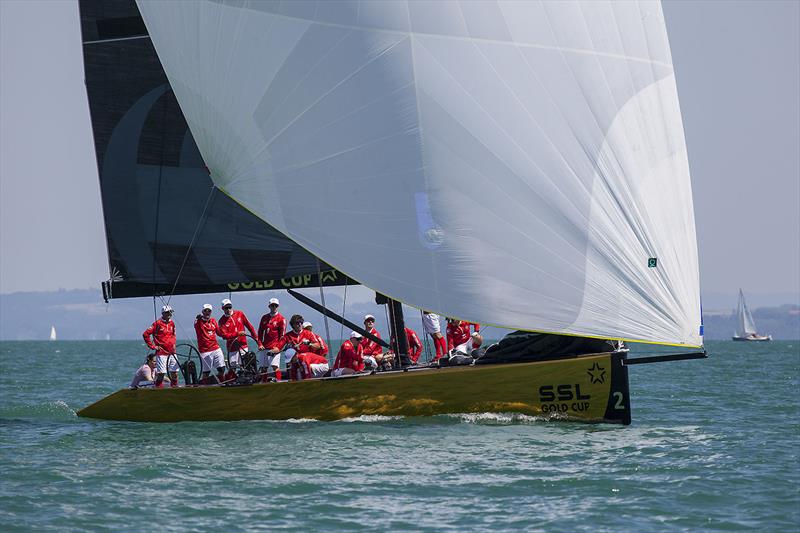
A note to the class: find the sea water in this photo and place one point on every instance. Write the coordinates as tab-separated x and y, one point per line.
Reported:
713	445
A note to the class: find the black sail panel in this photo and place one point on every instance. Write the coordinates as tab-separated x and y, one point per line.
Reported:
169	231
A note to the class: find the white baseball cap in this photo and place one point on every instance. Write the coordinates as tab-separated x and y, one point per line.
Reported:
166	309
274	301
355	334
207	306
226	302
307	324
367	317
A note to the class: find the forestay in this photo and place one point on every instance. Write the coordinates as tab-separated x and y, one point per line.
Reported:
512	163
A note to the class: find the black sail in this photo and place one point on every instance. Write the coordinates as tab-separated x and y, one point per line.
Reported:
168	229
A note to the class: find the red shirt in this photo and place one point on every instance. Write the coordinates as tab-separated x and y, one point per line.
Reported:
231	326
271	330
207	331
350	356
291	338
457	335
371	347
311	337
163	334
474	325
303	368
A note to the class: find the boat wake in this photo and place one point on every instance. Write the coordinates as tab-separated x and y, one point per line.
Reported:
498	419
371	418
56	410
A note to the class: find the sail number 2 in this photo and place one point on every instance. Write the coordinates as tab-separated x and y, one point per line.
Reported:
619	405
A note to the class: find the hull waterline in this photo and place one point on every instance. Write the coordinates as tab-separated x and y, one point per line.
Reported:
757	338
589	388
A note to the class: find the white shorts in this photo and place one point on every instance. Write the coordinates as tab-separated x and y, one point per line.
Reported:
267	359
369	362
338	372
235	357
464	348
318	369
161	364
430	323
212	360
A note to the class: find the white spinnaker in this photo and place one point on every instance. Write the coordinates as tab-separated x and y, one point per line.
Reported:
509	163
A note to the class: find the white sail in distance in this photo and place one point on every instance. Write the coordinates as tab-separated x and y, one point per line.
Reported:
53	333
745	325
521	164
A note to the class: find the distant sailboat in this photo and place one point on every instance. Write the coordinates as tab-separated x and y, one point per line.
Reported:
52	333
745	325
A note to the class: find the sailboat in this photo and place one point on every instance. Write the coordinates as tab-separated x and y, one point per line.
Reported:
745	325
52	333
521	165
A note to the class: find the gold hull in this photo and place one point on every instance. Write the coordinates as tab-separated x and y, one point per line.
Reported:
589	388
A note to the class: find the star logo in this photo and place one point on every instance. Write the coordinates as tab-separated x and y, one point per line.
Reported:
597	374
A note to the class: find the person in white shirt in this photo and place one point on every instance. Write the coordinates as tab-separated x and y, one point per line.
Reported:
145	372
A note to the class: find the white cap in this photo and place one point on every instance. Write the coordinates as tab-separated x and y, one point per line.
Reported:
226	302
306	324
166	309
274	301
367	317
355	334
207	306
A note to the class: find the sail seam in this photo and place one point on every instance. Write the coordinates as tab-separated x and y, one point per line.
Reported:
473	39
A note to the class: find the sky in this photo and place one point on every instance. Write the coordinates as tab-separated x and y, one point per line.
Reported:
738	73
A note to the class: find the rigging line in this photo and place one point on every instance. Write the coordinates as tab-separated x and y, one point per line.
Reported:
425	336
344	303
158	197
191	243
183	330
322	299
391	327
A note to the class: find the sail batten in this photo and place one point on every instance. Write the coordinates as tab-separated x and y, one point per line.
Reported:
519	164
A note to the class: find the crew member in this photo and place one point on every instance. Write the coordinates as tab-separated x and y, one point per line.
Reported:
430	325
372	351
308	343
414	345
160	336
311	365
290	342
271	330
349	360
211	356
459	338
233	324
145	372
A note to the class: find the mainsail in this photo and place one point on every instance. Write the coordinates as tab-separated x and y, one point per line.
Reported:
513	163
168	230
745	326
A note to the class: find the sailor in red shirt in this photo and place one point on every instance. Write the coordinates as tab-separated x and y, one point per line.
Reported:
414	345
207	330
308	342
233	324
271	330
311	365
459	338
373	353
162	332
349	360
290	340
